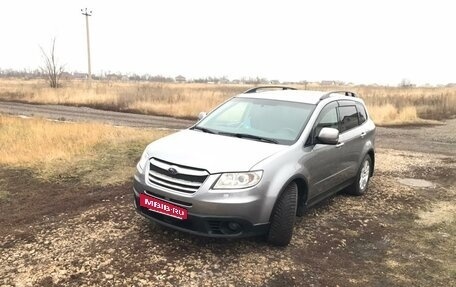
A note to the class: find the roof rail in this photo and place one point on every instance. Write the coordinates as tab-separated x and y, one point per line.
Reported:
256	89
345	93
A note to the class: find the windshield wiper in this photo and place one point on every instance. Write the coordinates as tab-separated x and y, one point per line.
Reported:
253	137
204	130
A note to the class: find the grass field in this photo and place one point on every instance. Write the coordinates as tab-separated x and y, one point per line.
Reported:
94	154
387	105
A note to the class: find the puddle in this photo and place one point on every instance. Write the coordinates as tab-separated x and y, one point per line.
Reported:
413	182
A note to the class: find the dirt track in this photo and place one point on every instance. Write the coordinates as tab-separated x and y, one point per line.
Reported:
71	113
67	234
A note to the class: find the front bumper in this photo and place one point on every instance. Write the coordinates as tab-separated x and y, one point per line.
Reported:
212	215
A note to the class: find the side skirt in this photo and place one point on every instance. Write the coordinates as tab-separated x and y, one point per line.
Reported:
311	202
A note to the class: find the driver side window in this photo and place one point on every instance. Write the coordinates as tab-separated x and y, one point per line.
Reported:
328	118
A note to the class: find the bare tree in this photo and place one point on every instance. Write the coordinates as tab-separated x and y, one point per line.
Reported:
51	68
406	83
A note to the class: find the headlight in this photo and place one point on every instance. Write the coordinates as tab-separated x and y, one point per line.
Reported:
143	161
237	180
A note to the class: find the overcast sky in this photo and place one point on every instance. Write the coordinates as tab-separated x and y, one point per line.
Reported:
354	41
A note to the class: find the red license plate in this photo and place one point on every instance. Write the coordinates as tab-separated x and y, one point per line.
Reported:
162	207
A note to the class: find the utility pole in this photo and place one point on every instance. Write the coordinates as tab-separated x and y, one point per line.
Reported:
88	13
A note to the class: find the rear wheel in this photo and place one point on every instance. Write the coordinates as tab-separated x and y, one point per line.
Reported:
359	186
283	217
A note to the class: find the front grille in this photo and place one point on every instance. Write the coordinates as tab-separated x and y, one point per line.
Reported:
176	177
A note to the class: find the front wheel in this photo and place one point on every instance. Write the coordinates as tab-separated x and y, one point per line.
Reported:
283	217
359	187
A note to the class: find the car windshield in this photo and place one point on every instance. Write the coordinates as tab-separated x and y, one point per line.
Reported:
265	120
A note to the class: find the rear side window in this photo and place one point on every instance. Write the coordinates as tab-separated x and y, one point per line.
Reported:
348	117
361	113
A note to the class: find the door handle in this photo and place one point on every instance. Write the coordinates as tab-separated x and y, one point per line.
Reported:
363	134
339	145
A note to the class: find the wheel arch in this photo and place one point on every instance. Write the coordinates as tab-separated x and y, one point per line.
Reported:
303	191
371	153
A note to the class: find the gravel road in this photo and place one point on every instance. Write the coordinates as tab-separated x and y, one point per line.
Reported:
427	139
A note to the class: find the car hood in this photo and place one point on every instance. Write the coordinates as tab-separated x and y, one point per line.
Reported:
214	153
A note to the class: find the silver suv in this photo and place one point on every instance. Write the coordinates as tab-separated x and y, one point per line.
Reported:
256	162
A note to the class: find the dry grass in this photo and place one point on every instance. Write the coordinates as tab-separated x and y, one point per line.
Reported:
441	212
387	105
390	115
178	100
412	105
65	151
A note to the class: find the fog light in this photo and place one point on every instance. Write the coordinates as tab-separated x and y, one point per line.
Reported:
234	226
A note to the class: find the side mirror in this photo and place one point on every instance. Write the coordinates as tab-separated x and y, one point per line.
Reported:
201	115
328	136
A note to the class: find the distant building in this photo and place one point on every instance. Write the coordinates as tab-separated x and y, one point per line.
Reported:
180	79
328	83
77	75
113	77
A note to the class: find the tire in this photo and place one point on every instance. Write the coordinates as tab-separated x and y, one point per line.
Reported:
361	183
283	217
301	209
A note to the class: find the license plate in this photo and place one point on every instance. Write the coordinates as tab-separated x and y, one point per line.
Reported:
162	207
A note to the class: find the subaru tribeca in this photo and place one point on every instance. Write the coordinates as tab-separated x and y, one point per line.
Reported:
256	162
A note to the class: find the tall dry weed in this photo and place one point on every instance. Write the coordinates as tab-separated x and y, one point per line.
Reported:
27	142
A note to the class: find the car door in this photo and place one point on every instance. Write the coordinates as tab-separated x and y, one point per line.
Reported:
351	137
322	160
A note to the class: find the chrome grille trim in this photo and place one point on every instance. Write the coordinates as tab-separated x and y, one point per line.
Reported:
155	174
175	177
172	186
180	169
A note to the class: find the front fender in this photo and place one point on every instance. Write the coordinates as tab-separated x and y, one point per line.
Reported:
279	172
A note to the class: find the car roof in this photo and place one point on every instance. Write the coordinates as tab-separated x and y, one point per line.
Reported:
299	96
